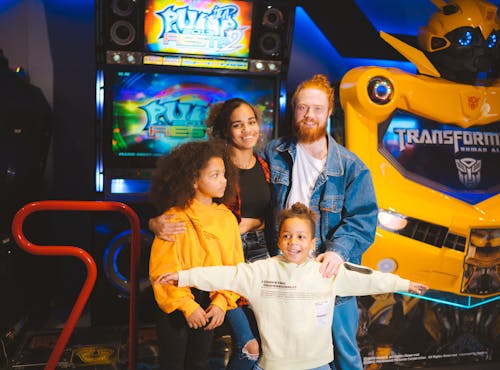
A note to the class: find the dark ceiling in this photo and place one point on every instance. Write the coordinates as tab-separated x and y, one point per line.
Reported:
352	26
348	29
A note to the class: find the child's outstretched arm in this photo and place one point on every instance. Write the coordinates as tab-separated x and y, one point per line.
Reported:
417	288
361	280
238	279
168	278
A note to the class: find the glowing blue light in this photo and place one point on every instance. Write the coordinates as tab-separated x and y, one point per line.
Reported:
312	51
465	39
111	255
403	17
282	99
115	264
381	89
128	186
99	93
451	299
5	5
491	41
99	102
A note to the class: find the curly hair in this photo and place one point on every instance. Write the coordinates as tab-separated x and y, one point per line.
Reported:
172	181
319	82
219	117
298	210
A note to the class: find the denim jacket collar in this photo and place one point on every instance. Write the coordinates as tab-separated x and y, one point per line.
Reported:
334	164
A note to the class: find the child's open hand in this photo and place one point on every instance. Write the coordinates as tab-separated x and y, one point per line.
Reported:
417	288
168	278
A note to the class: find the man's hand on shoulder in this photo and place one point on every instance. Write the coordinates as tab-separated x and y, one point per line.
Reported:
330	263
164	228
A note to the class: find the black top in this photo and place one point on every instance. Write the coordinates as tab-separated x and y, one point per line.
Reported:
255	192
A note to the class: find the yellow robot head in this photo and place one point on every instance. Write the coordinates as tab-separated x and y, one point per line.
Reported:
462	38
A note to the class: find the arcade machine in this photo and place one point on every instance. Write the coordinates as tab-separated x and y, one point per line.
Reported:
161	64
432	143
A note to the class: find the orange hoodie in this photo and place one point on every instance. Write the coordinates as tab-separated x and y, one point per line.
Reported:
212	238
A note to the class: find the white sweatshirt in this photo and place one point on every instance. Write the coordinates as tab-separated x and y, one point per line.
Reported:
293	304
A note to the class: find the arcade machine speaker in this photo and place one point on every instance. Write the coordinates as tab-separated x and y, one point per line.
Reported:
272	34
118	26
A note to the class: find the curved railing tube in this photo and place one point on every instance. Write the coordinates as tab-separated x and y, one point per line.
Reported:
60	250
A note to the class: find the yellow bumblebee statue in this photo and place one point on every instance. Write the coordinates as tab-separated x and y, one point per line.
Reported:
432	143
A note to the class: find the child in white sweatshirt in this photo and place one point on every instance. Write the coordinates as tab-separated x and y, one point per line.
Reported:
291	300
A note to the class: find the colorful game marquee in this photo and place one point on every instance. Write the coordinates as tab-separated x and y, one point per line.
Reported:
163	63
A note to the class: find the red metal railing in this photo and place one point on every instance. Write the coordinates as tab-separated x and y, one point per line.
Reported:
60	250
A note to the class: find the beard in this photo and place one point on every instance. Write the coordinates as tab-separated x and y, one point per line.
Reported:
306	134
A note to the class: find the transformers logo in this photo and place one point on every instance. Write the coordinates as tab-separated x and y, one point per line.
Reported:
462	141
469	171
473	102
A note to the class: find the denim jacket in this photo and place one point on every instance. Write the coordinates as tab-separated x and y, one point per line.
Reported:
343	197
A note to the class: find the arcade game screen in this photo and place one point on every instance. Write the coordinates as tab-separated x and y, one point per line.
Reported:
151	112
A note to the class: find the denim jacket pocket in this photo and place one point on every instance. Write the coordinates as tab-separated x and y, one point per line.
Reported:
331	204
279	176
331	215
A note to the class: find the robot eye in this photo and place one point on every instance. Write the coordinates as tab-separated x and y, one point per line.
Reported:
465	39
492	40
380	90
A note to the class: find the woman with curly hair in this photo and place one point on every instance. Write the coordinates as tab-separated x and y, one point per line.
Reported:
190	185
237	122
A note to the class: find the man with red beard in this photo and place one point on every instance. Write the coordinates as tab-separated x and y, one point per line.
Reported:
311	168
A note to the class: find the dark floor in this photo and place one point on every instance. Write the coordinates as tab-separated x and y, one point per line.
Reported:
473	366
106	348
101	348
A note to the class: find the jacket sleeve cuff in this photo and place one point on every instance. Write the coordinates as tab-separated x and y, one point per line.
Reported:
403	285
220	301
183	278
189	307
337	248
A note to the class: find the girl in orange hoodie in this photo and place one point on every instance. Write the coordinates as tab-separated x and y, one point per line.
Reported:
190	184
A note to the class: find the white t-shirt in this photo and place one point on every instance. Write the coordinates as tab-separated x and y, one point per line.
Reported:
305	172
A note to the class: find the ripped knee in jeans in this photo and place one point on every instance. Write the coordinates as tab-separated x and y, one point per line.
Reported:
251	349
